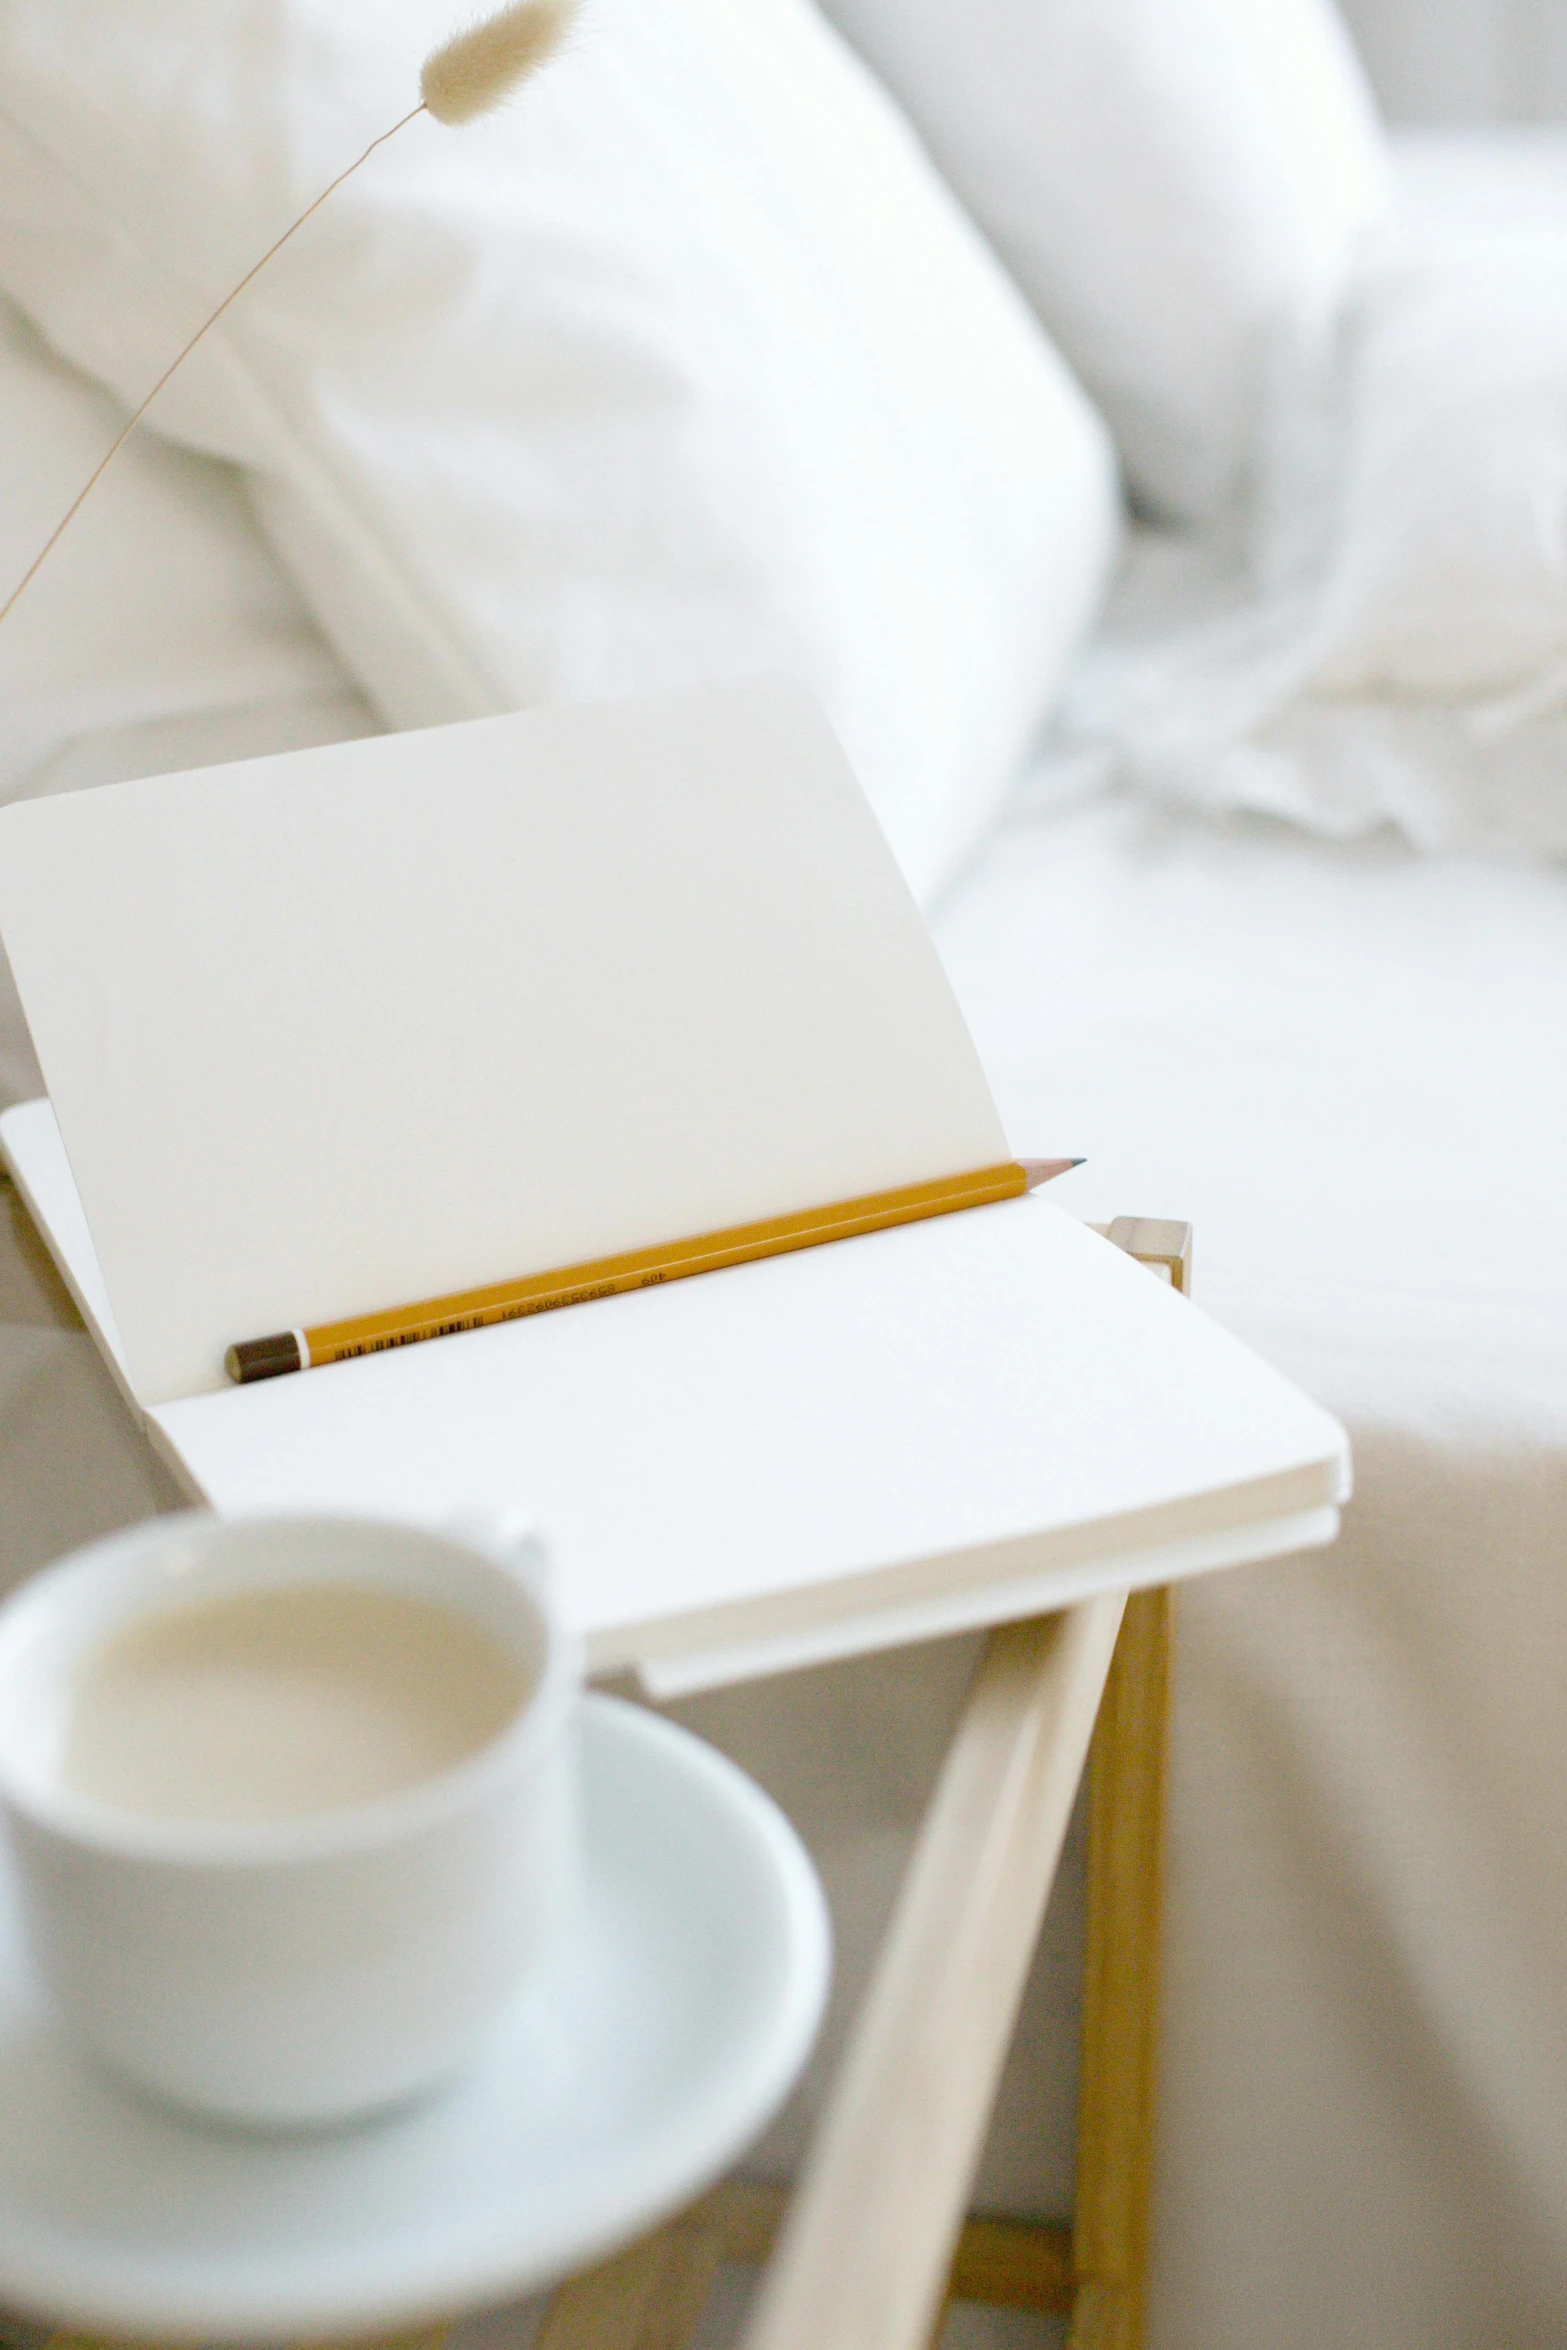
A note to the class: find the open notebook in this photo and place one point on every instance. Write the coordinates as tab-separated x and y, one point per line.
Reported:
339	1030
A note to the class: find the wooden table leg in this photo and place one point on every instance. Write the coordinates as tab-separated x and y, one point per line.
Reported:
864	2252
1120	2028
649	2297
1115	2113
657	2303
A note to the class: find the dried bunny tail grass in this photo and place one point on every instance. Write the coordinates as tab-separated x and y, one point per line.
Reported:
180	358
460	82
479	68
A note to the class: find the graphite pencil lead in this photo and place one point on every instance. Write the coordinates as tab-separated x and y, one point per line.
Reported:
1045	1170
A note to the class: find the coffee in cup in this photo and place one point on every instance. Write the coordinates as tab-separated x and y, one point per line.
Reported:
280	1704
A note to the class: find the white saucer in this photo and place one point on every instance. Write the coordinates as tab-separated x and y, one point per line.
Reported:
666	2032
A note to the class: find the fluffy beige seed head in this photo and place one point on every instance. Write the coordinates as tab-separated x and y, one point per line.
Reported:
479	68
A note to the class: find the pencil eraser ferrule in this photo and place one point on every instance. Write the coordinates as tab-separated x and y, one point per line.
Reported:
263	1358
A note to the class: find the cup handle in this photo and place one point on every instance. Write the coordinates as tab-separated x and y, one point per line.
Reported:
512	1533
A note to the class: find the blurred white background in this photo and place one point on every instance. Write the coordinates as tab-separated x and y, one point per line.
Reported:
1452	61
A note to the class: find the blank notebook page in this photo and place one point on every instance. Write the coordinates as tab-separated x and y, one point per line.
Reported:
337	1031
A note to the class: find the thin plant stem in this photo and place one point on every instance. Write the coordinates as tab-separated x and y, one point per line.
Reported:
48	548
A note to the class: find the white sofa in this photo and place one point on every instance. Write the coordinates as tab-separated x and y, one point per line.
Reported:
1345	1062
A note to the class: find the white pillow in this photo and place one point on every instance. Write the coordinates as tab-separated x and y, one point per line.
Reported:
159	603
159	634
1178	184
686	364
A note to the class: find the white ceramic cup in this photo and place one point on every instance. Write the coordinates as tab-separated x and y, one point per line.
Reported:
309	1970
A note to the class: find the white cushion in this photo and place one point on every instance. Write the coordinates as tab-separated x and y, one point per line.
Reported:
683	365
160	602
160	634
1178	184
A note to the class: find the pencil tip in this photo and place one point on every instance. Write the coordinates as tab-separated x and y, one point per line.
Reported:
1039	1171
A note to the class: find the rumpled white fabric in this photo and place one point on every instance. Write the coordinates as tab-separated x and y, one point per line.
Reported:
684	365
1392	647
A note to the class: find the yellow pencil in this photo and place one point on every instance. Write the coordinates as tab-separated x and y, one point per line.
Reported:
643	1268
